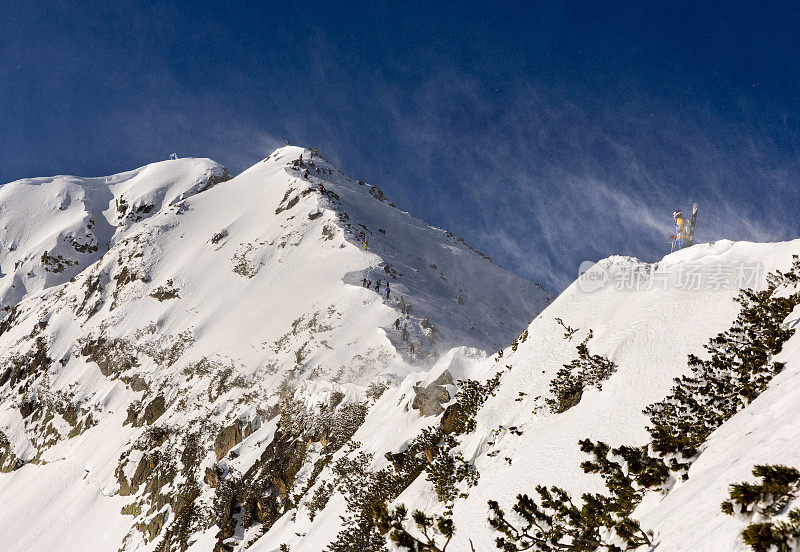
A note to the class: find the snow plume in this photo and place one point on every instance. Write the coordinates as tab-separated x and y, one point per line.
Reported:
221	134
575	180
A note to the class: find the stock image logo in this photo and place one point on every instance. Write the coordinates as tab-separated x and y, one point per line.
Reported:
684	276
592	277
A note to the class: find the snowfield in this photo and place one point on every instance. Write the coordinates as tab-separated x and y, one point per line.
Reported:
167	331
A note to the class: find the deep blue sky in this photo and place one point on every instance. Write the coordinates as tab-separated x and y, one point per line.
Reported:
545	133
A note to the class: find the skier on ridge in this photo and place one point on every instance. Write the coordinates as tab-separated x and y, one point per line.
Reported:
684	229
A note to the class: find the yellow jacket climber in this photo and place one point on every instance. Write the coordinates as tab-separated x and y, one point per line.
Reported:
683	230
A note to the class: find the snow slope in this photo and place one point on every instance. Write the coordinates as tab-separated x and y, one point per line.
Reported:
763	433
648	334
194	312
51	229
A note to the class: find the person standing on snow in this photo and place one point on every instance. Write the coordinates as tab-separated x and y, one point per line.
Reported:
683	231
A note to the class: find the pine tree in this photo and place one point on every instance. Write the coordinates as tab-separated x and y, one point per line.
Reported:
437	531
778	486
367	493
555	523
765	499
587	370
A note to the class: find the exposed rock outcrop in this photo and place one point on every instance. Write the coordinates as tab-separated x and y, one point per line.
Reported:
429	400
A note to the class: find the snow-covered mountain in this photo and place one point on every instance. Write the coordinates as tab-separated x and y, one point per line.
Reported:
53	228
223	368
196	309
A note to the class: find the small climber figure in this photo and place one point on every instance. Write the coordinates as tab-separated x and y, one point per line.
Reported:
364	282
287	143
387	290
378	285
322	189
173	155
683	231
397	324
305	175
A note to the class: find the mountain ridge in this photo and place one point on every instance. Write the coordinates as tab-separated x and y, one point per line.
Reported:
221	379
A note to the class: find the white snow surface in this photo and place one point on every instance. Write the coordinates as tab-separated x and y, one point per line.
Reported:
251	299
78	218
